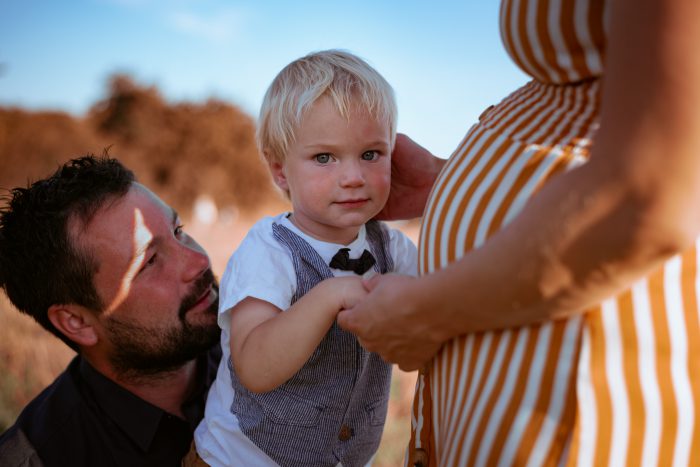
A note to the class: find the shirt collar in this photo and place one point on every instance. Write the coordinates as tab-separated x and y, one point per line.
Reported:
326	249
137	418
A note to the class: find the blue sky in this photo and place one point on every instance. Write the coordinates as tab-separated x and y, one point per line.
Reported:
443	58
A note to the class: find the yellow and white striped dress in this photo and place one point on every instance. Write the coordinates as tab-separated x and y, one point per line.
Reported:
618	385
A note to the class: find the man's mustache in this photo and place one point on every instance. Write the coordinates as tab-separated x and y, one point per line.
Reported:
206	281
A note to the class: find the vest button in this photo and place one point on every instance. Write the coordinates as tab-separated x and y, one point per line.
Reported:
420	458
345	433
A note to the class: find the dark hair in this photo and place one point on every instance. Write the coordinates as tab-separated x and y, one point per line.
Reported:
39	264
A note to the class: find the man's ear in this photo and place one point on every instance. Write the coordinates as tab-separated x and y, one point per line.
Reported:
278	175
75	322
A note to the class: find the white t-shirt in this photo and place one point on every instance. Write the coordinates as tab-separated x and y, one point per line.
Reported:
262	268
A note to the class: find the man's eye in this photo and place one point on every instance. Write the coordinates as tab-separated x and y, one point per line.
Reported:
322	158
370	155
150	262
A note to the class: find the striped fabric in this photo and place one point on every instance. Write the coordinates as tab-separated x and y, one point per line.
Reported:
340	388
618	385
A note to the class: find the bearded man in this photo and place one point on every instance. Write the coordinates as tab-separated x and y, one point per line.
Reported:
105	265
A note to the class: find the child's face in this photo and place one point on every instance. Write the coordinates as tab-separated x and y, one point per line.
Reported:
337	172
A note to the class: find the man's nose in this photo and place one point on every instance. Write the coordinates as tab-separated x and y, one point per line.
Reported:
194	261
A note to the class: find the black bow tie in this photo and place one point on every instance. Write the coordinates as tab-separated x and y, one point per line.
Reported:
342	260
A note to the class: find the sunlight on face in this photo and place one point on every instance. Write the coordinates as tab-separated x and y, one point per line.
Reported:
142	239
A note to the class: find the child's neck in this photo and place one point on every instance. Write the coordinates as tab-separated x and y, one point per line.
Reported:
340	236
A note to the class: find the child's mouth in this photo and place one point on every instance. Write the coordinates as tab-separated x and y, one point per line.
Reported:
352	203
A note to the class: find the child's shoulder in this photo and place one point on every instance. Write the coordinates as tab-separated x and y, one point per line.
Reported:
259	249
262	229
260	237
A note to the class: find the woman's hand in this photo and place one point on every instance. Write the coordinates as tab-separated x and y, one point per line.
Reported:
413	173
391	322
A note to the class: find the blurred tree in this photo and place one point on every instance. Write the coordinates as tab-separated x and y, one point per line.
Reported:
32	144
179	150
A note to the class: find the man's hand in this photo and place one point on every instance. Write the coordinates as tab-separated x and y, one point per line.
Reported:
388	322
413	173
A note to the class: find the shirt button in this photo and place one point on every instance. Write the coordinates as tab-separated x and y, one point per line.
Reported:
345	433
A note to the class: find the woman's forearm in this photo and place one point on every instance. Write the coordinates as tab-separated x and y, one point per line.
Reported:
590	232
569	250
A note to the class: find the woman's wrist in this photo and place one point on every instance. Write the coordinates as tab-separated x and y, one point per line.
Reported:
431	308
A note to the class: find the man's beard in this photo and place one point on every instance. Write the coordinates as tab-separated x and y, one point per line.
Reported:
148	352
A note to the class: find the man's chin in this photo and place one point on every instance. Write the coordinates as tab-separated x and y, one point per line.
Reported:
143	352
133	362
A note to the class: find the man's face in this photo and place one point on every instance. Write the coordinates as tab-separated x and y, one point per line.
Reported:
159	294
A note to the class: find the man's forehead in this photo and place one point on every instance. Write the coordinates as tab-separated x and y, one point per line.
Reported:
152	200
118	215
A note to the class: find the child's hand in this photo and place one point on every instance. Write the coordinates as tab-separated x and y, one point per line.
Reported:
349	290
391	323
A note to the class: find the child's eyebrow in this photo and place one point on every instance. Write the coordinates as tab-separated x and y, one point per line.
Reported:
320	144
380	142
329	146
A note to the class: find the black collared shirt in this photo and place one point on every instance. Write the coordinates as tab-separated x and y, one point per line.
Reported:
86	419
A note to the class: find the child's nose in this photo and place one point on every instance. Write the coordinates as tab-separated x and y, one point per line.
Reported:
352	174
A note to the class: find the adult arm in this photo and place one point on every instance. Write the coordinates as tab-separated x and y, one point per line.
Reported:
588	233
413	173
268	346
17	450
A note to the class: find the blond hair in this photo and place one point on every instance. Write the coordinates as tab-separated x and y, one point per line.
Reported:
346	79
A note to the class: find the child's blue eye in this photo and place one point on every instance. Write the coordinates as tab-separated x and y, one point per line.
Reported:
322	158
369	155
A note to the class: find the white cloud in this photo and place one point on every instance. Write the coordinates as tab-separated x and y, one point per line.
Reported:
219	28
127	3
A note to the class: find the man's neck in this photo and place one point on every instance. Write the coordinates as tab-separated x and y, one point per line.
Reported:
166	390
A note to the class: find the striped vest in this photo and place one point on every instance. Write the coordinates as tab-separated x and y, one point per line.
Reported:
333	409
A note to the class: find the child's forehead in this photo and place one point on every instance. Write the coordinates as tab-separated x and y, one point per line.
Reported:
333	106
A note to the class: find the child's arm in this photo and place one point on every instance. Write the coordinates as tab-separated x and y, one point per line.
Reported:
268	346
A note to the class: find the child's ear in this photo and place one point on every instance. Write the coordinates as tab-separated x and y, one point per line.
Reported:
278	175
74	322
